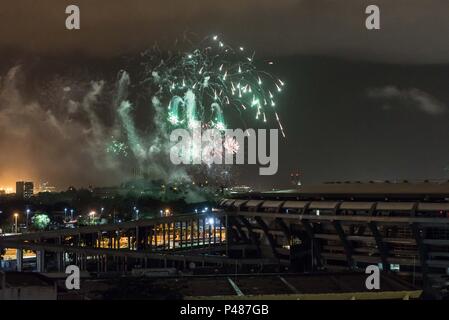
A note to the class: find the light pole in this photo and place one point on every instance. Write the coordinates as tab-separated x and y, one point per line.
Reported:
65	213
137	214
28	216
71	214
16	216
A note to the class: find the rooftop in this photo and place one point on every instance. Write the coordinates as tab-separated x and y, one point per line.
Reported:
260	286
379	190
27	279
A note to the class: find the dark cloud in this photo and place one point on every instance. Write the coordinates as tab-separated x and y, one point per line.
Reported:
411	30
59	139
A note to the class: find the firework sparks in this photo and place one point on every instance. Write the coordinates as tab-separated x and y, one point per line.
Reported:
231	145
198	87
118	148
202	83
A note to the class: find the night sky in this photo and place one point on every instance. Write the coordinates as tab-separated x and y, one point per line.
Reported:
358	105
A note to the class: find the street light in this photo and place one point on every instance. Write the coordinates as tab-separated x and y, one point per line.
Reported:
16	216
28	215
71	214
65	213
137	214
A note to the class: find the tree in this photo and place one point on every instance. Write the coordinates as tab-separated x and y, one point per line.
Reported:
40	221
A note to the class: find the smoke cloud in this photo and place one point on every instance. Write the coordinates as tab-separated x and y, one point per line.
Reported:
61	140
418	99
71	129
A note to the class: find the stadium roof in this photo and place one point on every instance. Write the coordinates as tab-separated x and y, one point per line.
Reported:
352	190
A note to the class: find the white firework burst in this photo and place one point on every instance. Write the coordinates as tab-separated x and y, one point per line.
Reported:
231	145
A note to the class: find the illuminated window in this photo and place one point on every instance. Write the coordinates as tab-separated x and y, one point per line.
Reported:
395	267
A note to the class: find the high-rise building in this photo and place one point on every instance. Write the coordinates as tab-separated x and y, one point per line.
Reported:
20	188
24	189
45	187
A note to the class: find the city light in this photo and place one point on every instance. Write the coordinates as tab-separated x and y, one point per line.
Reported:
7	190
16	228
92	216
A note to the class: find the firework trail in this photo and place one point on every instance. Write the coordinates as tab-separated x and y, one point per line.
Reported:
204	82
197	86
